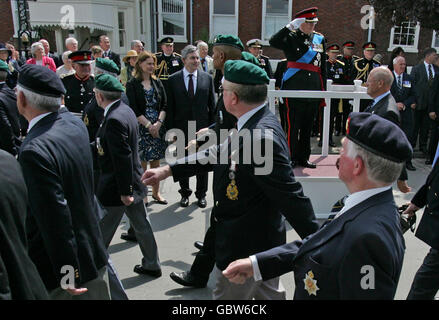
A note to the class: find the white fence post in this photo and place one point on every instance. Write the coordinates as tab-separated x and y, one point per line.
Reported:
272	100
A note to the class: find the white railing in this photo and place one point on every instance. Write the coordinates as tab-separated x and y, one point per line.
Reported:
354	92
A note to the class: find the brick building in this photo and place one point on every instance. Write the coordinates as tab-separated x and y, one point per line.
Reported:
6	22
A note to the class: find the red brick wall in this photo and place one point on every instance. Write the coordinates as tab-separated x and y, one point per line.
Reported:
6	22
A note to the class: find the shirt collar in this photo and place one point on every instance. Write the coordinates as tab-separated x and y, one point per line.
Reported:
360	196
377	99
107	108
36	119
246	116
426	64
396	75
186	73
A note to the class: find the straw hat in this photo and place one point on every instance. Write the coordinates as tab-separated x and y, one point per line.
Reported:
131	53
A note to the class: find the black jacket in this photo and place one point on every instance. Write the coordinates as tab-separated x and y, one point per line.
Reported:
387	109
118	157
19	278
255	221
366	238
423	89
136	96
9	121
78	92
62	225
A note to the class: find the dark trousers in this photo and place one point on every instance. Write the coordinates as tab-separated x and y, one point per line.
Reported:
407	124
205	258
300	120
426	282
340	124
421	126
202	181
434	138
283	116
332	116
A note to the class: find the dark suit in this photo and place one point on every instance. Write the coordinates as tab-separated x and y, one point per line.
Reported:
265	64
368	235
62	226
19	278
433	106
120	173
254	222
423	90
113	56
182	108
9	121
426	282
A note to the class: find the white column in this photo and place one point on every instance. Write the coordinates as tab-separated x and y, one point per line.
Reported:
59	41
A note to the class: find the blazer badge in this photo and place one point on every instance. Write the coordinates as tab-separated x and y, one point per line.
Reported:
310	283
232	189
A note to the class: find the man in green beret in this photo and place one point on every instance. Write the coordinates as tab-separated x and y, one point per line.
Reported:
119	188
249	202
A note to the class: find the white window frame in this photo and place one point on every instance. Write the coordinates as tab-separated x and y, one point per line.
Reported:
264	14
15	19
411	49
125	31
177	38
211	14
434	38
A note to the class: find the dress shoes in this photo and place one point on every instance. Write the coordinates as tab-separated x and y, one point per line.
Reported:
308	164
153	273
186	279
428	161
199	245
410	167
128	237
202	202
184	202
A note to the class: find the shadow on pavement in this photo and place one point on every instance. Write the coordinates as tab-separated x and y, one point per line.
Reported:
121	246
170	216
136	281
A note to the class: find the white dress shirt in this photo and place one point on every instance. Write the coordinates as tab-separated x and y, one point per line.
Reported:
36	119
246	116
426	69
350	202
186	79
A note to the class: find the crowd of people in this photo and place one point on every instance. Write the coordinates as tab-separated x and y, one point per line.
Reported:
78	132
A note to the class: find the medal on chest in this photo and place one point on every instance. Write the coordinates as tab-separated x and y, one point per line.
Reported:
99	147
82	88
232	189
310	283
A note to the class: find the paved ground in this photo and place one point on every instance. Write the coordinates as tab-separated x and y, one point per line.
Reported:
177	228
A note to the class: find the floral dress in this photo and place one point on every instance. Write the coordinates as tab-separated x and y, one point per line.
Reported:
151	148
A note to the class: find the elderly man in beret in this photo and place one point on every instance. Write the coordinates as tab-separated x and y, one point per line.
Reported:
119	188
359	254
65	241
250	206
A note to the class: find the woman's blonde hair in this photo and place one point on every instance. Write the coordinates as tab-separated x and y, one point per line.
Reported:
138	72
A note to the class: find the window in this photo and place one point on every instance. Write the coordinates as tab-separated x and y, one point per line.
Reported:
121	23
435	40
275	15
172	19
223	17
405	36
141	17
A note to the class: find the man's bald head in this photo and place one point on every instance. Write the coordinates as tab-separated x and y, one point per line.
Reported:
379	81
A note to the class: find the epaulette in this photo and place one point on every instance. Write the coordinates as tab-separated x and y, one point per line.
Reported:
341	62
177	54
158	54
358	59
68	75
355	57
340	56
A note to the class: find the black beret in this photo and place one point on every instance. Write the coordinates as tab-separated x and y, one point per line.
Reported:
379	136
40	80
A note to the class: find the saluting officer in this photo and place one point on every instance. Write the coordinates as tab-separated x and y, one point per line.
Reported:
335	71
363	66
79	86
305	51
168	61
255	48
348	57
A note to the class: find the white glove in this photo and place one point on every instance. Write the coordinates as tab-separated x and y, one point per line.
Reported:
295	24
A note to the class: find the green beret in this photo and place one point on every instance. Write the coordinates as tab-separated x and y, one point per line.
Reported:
106	82
3	66
228	40
243	72
107	65
247	56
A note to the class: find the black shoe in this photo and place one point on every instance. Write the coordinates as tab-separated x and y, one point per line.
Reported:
160	201
128	237
199	245
202	202
186	279
410	167
153	273
308	164
428	161
184	202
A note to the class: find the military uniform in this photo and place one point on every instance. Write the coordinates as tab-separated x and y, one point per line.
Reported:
264	61
167	65
302	75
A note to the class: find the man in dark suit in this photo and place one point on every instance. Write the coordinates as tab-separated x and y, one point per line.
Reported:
119	188
19	278
305	51
359	254
62	226
191	97
404	93
104	43
49	54
249	204
423	75
9	118
426	282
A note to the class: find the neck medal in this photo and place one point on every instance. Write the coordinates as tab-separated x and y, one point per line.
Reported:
99	147
232	189
310	283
